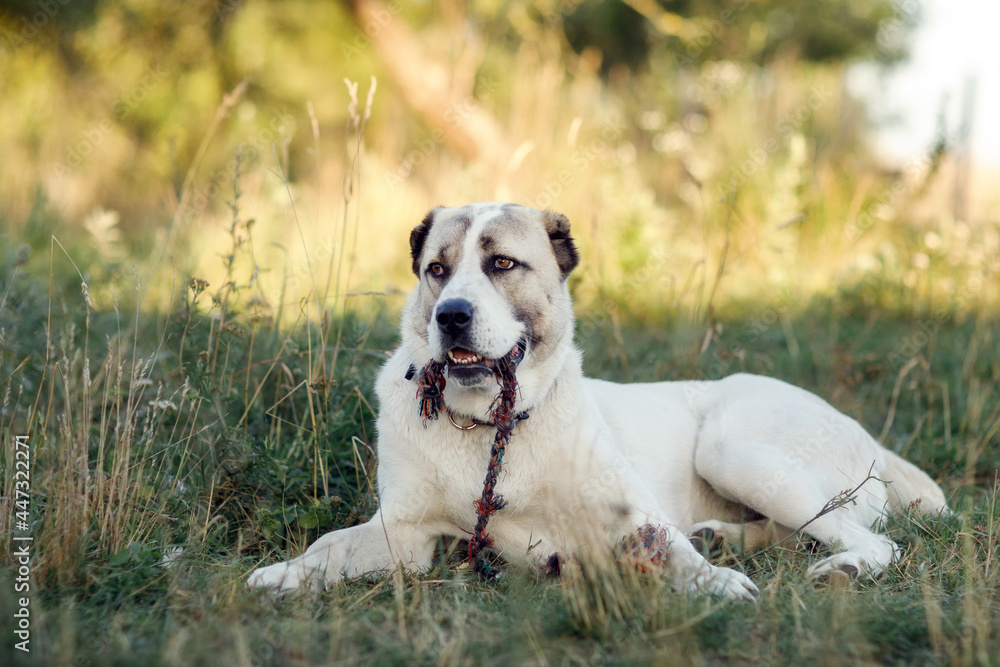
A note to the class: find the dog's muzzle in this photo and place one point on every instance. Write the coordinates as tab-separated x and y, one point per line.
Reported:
465	362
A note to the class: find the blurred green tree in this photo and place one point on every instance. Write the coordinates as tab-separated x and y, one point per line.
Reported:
626	31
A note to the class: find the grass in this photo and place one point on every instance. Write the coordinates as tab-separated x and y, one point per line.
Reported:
210	428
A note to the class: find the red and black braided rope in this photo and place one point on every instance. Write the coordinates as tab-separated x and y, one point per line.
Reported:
504	418
430	390
430	393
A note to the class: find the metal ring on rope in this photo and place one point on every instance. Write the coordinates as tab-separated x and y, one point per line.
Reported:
454	423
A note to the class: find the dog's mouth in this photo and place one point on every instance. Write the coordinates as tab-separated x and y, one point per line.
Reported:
463	357
467	365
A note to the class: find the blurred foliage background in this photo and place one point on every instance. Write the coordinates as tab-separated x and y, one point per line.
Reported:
687	140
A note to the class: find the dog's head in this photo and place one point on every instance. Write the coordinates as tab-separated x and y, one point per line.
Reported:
492	282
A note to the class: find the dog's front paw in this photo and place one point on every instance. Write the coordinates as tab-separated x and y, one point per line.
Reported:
723	582
282	578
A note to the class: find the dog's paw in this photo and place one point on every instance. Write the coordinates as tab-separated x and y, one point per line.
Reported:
723	582
282	578
845	566
705	539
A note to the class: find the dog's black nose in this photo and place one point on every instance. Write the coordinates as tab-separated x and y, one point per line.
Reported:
454	316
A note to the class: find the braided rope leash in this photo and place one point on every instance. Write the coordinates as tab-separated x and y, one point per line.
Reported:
430	390
502	413
430	395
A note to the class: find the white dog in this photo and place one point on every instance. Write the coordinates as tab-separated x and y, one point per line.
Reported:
746	458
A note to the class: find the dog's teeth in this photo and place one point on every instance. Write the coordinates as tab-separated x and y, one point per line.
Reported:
471	359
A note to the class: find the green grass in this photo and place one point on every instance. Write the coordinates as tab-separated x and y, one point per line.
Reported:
219	429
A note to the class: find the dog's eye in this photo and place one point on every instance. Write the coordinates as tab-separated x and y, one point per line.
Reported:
436	268
503	263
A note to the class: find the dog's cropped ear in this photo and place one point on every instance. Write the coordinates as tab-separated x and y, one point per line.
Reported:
565	250
417	238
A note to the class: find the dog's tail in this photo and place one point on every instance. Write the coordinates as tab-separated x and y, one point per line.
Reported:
908	484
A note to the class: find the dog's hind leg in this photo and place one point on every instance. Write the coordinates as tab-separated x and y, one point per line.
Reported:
865	553
906	485
758	476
